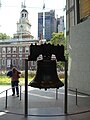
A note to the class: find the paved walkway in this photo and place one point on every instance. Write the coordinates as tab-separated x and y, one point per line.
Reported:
43	105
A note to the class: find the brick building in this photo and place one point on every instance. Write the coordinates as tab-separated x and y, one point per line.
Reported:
13	52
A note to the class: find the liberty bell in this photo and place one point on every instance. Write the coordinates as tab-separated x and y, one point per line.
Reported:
46	74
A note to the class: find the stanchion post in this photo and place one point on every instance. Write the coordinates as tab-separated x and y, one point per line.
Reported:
76	96
6	100
26	87
20	92
56	94
66	85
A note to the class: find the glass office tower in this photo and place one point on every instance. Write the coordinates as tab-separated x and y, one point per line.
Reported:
50	24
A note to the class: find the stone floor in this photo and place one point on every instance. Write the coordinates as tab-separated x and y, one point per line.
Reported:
43	105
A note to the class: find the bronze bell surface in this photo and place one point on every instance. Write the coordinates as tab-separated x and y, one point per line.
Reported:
46	75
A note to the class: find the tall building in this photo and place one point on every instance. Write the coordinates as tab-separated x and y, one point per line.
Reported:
50	24
78	37
60	24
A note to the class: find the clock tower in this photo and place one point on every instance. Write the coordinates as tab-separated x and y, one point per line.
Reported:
23	26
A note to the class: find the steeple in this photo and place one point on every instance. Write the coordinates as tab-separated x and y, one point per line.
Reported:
23	26
24	12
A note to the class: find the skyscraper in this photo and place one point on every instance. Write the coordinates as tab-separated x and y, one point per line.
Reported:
60	24
50	24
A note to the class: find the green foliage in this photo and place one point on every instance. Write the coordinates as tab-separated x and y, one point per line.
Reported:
4	80
58	38
4	36
31	74
60	64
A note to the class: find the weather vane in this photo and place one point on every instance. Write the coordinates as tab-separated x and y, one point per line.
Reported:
0	4
23	5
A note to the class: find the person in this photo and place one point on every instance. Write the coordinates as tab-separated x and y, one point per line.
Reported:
15	75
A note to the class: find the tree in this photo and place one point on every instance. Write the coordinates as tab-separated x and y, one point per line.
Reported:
58	38
4	36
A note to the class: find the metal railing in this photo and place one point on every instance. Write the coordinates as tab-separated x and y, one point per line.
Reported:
6	97
76	91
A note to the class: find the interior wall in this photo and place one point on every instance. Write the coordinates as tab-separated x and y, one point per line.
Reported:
79	57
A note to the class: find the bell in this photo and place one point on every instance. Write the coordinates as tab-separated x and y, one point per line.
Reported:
46	75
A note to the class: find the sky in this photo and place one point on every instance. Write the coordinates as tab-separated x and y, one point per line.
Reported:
10	13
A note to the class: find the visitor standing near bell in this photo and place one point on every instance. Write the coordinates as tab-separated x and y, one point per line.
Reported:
15	75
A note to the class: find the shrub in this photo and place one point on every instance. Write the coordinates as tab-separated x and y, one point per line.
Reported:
31	74
61	75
